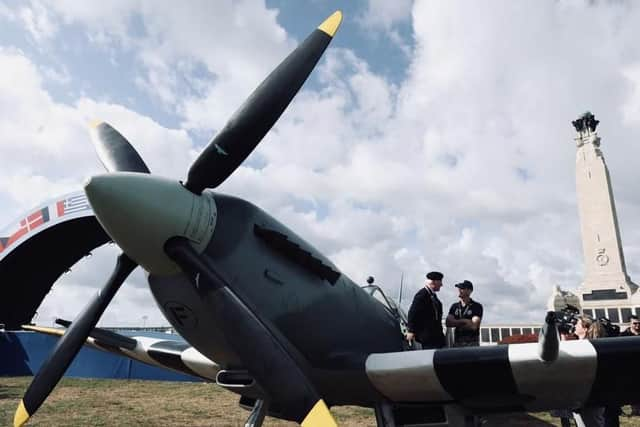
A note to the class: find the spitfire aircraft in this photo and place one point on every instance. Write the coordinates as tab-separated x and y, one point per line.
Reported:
266	315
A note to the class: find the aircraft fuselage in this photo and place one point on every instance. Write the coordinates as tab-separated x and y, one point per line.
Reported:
287	283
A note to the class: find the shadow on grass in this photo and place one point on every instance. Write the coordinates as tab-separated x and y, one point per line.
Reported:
10	392
516	420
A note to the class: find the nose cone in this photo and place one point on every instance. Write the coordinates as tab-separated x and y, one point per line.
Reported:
141	212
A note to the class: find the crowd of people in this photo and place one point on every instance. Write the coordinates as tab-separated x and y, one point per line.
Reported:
425	326
597	416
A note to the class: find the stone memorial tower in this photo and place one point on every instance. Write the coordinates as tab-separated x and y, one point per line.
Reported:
606	284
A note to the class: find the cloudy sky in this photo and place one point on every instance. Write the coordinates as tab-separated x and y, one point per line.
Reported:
433	135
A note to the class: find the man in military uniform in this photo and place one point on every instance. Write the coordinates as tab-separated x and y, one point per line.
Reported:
465	316
425	314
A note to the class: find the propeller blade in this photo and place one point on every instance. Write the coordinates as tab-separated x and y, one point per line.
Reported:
55	366
114	151
276	366
260	111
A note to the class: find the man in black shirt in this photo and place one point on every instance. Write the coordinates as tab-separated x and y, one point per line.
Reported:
634	328
465	316
425	314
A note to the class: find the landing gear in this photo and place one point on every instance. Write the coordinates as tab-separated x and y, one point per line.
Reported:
407	414
384	415
256	417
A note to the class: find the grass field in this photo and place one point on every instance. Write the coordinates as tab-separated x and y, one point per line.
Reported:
85	402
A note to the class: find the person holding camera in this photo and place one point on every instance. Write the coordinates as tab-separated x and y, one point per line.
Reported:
425	314
465	316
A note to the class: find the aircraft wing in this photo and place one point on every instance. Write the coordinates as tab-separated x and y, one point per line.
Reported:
512	377
169	354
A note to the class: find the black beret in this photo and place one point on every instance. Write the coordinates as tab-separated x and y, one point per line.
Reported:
435	275
465	285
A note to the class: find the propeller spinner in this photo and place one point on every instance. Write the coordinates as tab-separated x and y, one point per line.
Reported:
116	154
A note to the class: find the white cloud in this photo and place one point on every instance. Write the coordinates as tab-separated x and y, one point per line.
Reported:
40	136
236	42
37	21
47	152
631	108
384	14
387	16
466	166
59	76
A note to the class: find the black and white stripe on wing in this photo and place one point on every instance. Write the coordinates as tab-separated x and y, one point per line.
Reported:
168	353
617	370
479	379
512	377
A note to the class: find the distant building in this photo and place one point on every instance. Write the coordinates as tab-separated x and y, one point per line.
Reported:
560	299
493	334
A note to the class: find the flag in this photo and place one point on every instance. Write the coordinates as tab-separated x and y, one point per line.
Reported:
72	204
25	225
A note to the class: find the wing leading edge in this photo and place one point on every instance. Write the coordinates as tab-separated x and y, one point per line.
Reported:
169	354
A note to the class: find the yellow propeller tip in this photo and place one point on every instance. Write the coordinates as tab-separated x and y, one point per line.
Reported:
319	416
21	415
44	329
331	24
95	123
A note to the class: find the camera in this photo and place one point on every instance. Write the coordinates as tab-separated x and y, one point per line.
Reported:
567	319
611	329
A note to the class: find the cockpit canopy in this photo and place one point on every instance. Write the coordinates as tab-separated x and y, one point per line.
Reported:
376	292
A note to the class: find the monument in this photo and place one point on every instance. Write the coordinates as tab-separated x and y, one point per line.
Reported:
606	290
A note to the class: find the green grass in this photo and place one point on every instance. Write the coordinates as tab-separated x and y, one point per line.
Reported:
87	402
